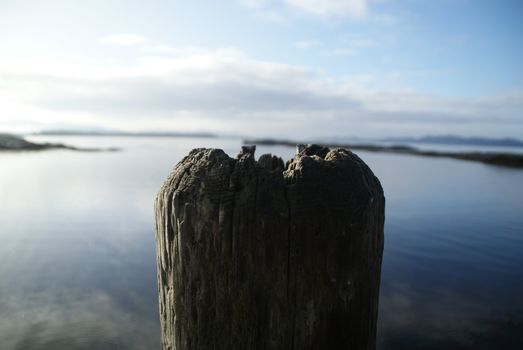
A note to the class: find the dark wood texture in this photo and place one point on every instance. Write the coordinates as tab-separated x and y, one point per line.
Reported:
258	255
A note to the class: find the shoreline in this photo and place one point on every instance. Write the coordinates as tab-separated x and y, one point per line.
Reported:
12	143
499	159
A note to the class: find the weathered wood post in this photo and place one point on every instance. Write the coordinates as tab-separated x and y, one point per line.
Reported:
256	255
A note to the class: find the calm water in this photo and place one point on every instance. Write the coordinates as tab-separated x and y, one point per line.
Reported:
77	260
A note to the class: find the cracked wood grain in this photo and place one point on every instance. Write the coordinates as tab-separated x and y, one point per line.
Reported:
258	255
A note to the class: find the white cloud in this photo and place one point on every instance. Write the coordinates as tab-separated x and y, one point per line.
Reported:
270	10
385	19
306	44
124	39
256	3
341	51
283	10
363	43
226	91
331	8
351	47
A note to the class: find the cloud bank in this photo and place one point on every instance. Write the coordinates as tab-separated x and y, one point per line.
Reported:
228	92
280	10
331	8
124	39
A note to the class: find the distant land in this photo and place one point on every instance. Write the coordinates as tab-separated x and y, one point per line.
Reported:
9	142
429	139
123	133
500	159
459	140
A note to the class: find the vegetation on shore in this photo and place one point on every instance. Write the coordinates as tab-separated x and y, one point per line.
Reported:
458	140
501	159
9	142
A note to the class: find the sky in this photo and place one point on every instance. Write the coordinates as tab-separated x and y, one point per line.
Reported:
267	68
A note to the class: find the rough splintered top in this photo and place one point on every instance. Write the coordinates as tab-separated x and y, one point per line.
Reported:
304	153
312	164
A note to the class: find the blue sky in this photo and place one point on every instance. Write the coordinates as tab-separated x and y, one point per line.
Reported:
264	67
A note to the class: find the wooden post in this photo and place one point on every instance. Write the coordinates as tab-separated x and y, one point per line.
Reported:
258	255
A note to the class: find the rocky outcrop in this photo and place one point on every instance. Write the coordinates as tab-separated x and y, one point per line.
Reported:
259	255
10	142
13	143
513	160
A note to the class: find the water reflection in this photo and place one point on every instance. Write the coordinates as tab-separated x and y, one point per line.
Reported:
77	263
452	271
73	319
445	319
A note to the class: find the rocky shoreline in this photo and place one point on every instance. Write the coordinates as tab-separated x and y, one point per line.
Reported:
9	142
499	159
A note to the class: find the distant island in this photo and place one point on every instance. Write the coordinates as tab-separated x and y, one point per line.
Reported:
9	142
123	133
501	159
459	140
